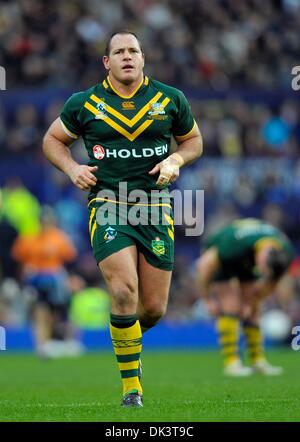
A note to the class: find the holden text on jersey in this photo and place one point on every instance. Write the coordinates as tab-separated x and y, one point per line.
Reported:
100	152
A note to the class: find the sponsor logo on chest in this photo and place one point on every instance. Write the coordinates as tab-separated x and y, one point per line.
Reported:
146	152
99	152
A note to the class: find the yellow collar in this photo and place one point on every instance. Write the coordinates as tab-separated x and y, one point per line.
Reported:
107	82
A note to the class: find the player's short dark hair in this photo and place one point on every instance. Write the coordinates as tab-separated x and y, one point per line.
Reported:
124	32
278	262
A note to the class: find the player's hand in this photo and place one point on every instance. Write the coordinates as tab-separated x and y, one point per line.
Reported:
168	170
83	176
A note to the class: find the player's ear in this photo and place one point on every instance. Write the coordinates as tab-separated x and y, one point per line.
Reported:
105	60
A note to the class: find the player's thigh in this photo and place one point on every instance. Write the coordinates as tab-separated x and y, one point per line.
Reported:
154	286
250	305
228	296
248	291
120	274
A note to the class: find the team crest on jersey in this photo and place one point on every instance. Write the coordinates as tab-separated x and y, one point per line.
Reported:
99	152
101	107
128	105
157	112
158	246
110	234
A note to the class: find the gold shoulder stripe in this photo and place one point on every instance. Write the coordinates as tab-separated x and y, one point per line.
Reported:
91	108
183	137
165	102
267	242
129	122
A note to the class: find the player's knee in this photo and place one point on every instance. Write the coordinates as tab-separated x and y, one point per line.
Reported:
153	313
124	294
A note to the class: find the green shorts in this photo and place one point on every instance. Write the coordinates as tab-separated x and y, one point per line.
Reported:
154	241
235	269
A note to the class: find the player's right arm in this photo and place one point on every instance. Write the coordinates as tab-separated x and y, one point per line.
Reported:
56	147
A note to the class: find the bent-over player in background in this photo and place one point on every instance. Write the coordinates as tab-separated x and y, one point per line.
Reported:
241	265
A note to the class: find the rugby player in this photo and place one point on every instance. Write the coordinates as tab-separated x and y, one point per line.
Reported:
126	122
241	265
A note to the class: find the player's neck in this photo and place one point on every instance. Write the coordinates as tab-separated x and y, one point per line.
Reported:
126	90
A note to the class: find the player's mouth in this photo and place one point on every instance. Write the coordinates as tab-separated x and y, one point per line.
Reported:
128	67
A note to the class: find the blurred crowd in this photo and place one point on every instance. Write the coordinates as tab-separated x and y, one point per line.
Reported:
251	163
234	128
218	43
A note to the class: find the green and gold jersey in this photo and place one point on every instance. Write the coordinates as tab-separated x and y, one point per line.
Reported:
127	136
238	241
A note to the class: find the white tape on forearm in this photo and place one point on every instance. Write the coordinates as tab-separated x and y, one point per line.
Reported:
176	156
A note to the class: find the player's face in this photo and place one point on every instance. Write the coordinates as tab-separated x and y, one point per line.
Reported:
126	60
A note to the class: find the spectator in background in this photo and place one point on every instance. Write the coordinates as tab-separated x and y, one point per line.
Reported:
8	234
20	207
90	306
43	256
25	133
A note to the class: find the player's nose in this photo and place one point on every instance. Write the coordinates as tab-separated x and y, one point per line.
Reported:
127	55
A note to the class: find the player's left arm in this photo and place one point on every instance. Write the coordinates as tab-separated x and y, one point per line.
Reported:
264	288
266	284
259	291
190	147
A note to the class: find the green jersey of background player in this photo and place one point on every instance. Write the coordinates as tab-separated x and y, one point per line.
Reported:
241	265
126	122
238	245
